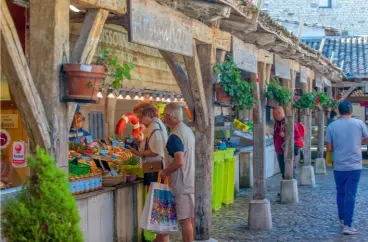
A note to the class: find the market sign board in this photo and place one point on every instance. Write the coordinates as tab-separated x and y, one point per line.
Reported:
319	81
9	121
19	152
282	67
326	81
245	55
160	27
4	139
304	72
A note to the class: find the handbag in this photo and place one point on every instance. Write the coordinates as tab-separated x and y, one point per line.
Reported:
159	212
154	165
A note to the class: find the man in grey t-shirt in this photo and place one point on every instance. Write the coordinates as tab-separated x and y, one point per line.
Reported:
344	138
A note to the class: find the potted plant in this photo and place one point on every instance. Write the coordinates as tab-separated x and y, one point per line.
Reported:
231	87
322	99
306	100
45	209
277	95
83	82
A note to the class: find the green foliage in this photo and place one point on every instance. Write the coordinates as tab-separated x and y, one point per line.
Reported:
306	100
45	210
322	99
276	92
233	85
117	71
332	103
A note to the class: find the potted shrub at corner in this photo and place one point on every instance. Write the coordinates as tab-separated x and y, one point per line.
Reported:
83	82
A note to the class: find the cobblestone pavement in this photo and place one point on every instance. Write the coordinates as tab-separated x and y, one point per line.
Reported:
314	218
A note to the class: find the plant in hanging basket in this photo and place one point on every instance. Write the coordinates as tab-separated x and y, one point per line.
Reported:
332	104
306	100
83	82
231	83
322	99
277	95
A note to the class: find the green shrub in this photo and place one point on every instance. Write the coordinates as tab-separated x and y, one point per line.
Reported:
306	100
281	94
45	210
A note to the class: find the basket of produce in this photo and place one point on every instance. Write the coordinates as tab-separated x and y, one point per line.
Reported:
77	168
110	181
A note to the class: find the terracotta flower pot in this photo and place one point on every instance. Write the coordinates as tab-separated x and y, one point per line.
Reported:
221	95
272	103
83	81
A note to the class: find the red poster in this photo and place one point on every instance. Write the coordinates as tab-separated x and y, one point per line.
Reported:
19	154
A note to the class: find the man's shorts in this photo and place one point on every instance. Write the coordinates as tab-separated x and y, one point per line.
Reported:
184	205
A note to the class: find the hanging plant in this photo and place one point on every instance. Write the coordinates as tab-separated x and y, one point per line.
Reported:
277	95
232	84
306	100
332	103
322	99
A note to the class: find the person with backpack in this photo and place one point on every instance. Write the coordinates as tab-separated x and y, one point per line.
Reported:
279	138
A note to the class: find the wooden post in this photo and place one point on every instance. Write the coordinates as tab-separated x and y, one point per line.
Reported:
321	132
259	145
15	69
49	47
307	150
197	88
85	47
289	138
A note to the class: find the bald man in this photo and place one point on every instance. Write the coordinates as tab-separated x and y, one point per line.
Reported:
279	139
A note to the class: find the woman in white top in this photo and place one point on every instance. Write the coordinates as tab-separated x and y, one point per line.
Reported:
152	144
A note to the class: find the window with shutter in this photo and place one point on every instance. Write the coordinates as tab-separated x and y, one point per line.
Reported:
96	124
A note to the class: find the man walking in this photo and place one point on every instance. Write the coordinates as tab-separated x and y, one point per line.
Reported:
180	168
344	138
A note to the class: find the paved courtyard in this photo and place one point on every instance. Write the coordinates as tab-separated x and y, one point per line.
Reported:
314	218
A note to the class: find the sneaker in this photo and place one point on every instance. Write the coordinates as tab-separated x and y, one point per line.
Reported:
349	230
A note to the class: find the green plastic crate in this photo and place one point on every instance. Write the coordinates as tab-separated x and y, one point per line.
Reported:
217	179
79	168
229	181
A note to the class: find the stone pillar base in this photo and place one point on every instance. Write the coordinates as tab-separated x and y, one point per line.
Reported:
260	217
307	177
289	191
321	166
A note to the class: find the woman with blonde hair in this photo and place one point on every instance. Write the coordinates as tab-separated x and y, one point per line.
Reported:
152	144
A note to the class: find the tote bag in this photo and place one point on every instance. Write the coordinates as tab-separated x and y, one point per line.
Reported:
159	213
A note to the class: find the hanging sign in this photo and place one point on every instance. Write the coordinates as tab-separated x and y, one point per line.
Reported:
304	72
160	27
319	81
19	154
326	81
9	121
245	55
4	139
282	67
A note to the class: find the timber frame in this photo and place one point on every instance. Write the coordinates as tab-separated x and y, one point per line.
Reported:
213	24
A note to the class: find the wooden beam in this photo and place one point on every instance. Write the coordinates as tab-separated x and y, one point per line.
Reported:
307	120
49	47
180	77
14	68
321	131
203	10
347	84
114	6
195	79
348	92
85	47
260	39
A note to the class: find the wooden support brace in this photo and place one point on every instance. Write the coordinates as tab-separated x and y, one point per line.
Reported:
195	79
85	47
348	92
307	151
15	69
